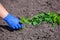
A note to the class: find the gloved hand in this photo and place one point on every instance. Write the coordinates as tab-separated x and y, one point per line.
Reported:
13	22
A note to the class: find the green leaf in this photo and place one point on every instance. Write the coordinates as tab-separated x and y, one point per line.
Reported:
35	23
52	14
24	20
49	20
58	19
55	19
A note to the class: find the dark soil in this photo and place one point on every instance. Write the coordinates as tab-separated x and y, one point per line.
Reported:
30	8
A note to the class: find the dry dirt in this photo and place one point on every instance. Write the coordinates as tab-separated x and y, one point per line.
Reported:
30	8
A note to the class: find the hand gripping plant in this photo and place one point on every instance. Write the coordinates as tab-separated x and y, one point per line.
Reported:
49	17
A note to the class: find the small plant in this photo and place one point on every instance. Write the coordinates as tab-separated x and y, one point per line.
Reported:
49	17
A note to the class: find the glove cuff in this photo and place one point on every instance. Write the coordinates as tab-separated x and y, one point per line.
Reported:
8	17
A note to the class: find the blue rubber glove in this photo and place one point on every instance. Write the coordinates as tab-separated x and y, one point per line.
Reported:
13	22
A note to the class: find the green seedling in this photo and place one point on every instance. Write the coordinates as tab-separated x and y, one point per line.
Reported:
49	17
24	20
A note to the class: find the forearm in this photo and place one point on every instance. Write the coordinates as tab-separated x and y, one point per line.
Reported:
3	11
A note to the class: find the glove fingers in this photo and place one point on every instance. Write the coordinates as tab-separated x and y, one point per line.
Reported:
20	26
16	27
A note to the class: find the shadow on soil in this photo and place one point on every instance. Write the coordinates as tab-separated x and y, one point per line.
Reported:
6	27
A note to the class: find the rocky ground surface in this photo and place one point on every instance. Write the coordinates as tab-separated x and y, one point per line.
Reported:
30	8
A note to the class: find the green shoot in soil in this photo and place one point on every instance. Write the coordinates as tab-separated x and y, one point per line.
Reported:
49	17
